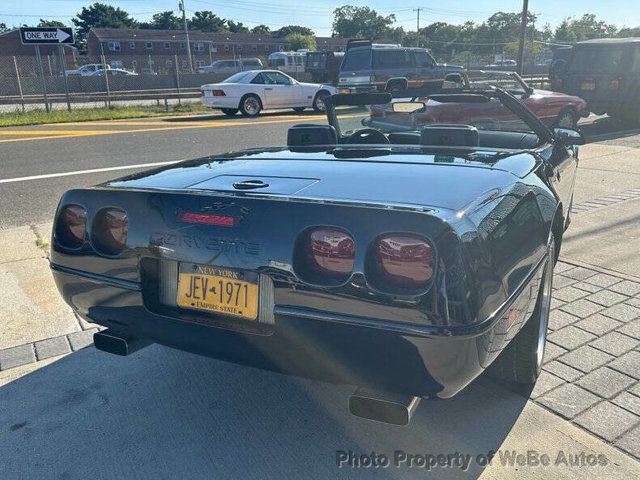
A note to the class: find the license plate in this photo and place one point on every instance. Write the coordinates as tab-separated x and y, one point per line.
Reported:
224	291
588	85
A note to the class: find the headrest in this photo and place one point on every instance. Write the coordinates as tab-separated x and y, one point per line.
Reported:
450	136
310	135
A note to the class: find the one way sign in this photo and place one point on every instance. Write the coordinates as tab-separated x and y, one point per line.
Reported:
46	35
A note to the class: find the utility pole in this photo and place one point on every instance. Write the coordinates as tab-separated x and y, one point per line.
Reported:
418	10
186	32
523	31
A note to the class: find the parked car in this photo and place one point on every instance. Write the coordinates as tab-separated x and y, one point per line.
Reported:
606	73
256	90
552	108
368	67
403	264
87	70
232	66
114	72
324	66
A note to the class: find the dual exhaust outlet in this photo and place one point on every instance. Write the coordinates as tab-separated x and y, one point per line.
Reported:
386	407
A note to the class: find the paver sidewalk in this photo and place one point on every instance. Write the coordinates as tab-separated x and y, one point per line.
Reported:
32	312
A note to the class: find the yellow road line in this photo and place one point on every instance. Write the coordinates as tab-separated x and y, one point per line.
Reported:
49	132
80	133
195	121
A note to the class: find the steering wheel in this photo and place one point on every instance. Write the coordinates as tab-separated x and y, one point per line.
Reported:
369	136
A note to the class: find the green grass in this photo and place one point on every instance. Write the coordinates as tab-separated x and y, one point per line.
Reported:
37	117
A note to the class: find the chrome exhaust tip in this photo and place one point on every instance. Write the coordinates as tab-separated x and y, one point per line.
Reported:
386	407
111	342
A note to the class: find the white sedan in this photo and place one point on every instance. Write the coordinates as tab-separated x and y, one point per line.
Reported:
252	91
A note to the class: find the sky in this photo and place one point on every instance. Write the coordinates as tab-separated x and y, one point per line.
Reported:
318	14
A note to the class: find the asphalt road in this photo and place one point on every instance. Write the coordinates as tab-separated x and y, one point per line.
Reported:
71	149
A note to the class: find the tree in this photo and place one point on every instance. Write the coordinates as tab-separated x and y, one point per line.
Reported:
290	29
164	21
3	27
261	29
99	15
50	23
584	28
207	21
236	27
298	41
363	22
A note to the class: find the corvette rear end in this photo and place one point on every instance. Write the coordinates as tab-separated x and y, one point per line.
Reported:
387	261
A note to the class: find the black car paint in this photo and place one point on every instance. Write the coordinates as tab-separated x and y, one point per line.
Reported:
489	227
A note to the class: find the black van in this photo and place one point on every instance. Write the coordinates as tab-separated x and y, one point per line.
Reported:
368	66
606	73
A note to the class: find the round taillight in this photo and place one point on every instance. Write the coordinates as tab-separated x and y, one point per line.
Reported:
403	263
109	231
71	226
327	255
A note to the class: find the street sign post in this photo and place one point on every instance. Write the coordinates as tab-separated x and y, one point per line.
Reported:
46	36
60	36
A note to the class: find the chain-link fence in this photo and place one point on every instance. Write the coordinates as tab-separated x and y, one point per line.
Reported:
106	80
59	81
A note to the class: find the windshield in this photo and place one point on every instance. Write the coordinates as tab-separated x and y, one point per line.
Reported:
597	59
511	82
239	77
497	125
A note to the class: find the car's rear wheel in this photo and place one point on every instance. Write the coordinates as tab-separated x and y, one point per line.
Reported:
230	112
566	119
299	109
319	105
520	363
250	106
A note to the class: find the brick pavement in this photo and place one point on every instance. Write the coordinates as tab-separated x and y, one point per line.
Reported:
592	363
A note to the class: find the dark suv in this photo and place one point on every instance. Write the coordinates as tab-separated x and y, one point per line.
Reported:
368	66
606	73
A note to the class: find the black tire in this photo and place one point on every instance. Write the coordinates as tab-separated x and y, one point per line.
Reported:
520	364
566	119
299	109
229	112
318	102
250	105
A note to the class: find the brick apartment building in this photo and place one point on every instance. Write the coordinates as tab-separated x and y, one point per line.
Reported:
11	46
156	50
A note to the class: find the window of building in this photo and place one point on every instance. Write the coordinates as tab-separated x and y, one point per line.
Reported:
114	46
116	64
226	48
254	48
132	45
198	47
167	45
185	64
134	65
200	63
183	46
168	64
239	48
148	45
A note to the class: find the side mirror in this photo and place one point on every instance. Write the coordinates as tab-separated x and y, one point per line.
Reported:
407	107
568	136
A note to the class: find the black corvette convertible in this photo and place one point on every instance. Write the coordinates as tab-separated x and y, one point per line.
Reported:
403	262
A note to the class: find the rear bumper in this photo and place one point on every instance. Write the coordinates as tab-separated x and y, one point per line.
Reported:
220	102
375	354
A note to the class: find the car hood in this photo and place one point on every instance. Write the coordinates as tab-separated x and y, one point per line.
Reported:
376	176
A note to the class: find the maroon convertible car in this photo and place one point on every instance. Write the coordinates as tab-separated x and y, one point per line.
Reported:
553	108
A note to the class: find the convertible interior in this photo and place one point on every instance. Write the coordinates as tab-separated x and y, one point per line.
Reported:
312	135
